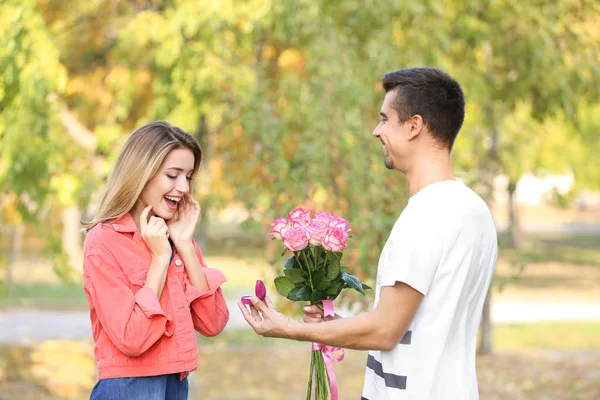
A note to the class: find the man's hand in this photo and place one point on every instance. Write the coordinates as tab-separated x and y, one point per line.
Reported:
314	314
266	320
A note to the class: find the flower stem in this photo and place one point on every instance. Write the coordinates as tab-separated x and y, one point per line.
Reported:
308	268
310	377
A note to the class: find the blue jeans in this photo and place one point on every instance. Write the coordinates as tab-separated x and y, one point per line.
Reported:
162	387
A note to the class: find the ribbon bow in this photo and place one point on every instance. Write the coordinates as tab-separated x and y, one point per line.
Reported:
329	352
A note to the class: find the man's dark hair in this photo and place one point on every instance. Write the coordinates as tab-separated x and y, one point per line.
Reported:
432	94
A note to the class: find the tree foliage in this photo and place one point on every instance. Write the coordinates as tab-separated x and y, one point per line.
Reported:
283	97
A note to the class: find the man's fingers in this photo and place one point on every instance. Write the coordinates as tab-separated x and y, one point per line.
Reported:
247	316
269	303
311	320
255	313
313	310
259	305
313	315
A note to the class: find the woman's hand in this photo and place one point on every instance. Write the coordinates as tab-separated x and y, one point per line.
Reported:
155	233
182	226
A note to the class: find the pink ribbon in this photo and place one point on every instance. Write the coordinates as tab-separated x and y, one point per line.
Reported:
329	353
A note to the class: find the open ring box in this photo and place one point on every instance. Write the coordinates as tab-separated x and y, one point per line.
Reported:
260	291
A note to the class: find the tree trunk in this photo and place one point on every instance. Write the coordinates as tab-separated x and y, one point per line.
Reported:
16	233
514	229
488	172
71	237
202	134
485	333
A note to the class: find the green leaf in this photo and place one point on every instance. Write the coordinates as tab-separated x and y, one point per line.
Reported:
300	294
317	276
332	289
335	289
294	275
318	296
323	284
290	262
333	268
353	282
283	285
366	287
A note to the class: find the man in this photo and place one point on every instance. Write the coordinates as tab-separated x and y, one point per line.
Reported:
435	268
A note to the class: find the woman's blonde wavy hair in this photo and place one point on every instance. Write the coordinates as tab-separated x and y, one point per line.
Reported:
138	161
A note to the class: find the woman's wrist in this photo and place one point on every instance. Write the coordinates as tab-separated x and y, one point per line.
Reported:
160	261
185	247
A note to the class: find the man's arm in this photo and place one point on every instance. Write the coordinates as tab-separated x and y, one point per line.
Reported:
380	329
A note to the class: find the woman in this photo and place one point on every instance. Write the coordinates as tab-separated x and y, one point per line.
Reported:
146	283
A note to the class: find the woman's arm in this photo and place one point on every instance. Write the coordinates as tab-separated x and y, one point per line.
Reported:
203	292
132	321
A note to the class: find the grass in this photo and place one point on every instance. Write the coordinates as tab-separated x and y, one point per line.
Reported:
558	336
39	287
567	249
546	252
46	296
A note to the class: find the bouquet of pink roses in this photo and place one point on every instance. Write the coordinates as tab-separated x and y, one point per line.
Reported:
314	273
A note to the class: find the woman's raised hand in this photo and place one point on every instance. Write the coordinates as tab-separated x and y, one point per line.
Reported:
155	233
182	227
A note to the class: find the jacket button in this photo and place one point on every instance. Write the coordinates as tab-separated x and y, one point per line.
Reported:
168	333
178	262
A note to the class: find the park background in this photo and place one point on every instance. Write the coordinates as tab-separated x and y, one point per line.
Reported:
283	96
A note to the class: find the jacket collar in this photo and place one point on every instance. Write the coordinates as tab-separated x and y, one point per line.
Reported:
124	224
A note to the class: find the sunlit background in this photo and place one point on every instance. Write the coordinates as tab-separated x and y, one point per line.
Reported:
283	96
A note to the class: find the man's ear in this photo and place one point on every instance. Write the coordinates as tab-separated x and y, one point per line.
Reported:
415	126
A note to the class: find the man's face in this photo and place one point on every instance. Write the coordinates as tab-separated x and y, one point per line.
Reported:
392	134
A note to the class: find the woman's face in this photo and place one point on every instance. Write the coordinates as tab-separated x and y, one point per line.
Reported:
169	185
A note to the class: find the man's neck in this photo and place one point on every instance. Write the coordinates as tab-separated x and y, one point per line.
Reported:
429	169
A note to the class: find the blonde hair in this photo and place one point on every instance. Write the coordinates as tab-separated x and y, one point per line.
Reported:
138	161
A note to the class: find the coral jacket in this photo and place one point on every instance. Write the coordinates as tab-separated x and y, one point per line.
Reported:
135	333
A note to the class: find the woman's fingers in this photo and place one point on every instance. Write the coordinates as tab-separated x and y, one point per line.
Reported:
144	218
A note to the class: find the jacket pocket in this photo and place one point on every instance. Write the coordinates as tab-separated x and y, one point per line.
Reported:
137	279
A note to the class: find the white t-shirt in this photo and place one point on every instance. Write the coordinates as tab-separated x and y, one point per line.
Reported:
444	245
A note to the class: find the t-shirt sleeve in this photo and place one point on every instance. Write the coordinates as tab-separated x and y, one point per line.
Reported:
413	254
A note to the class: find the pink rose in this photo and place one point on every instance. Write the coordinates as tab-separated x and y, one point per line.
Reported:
335	240
299	217
325	217
340	223
296	238
279	227
317	231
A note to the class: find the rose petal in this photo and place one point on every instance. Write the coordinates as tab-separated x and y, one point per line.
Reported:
260	289
247	300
